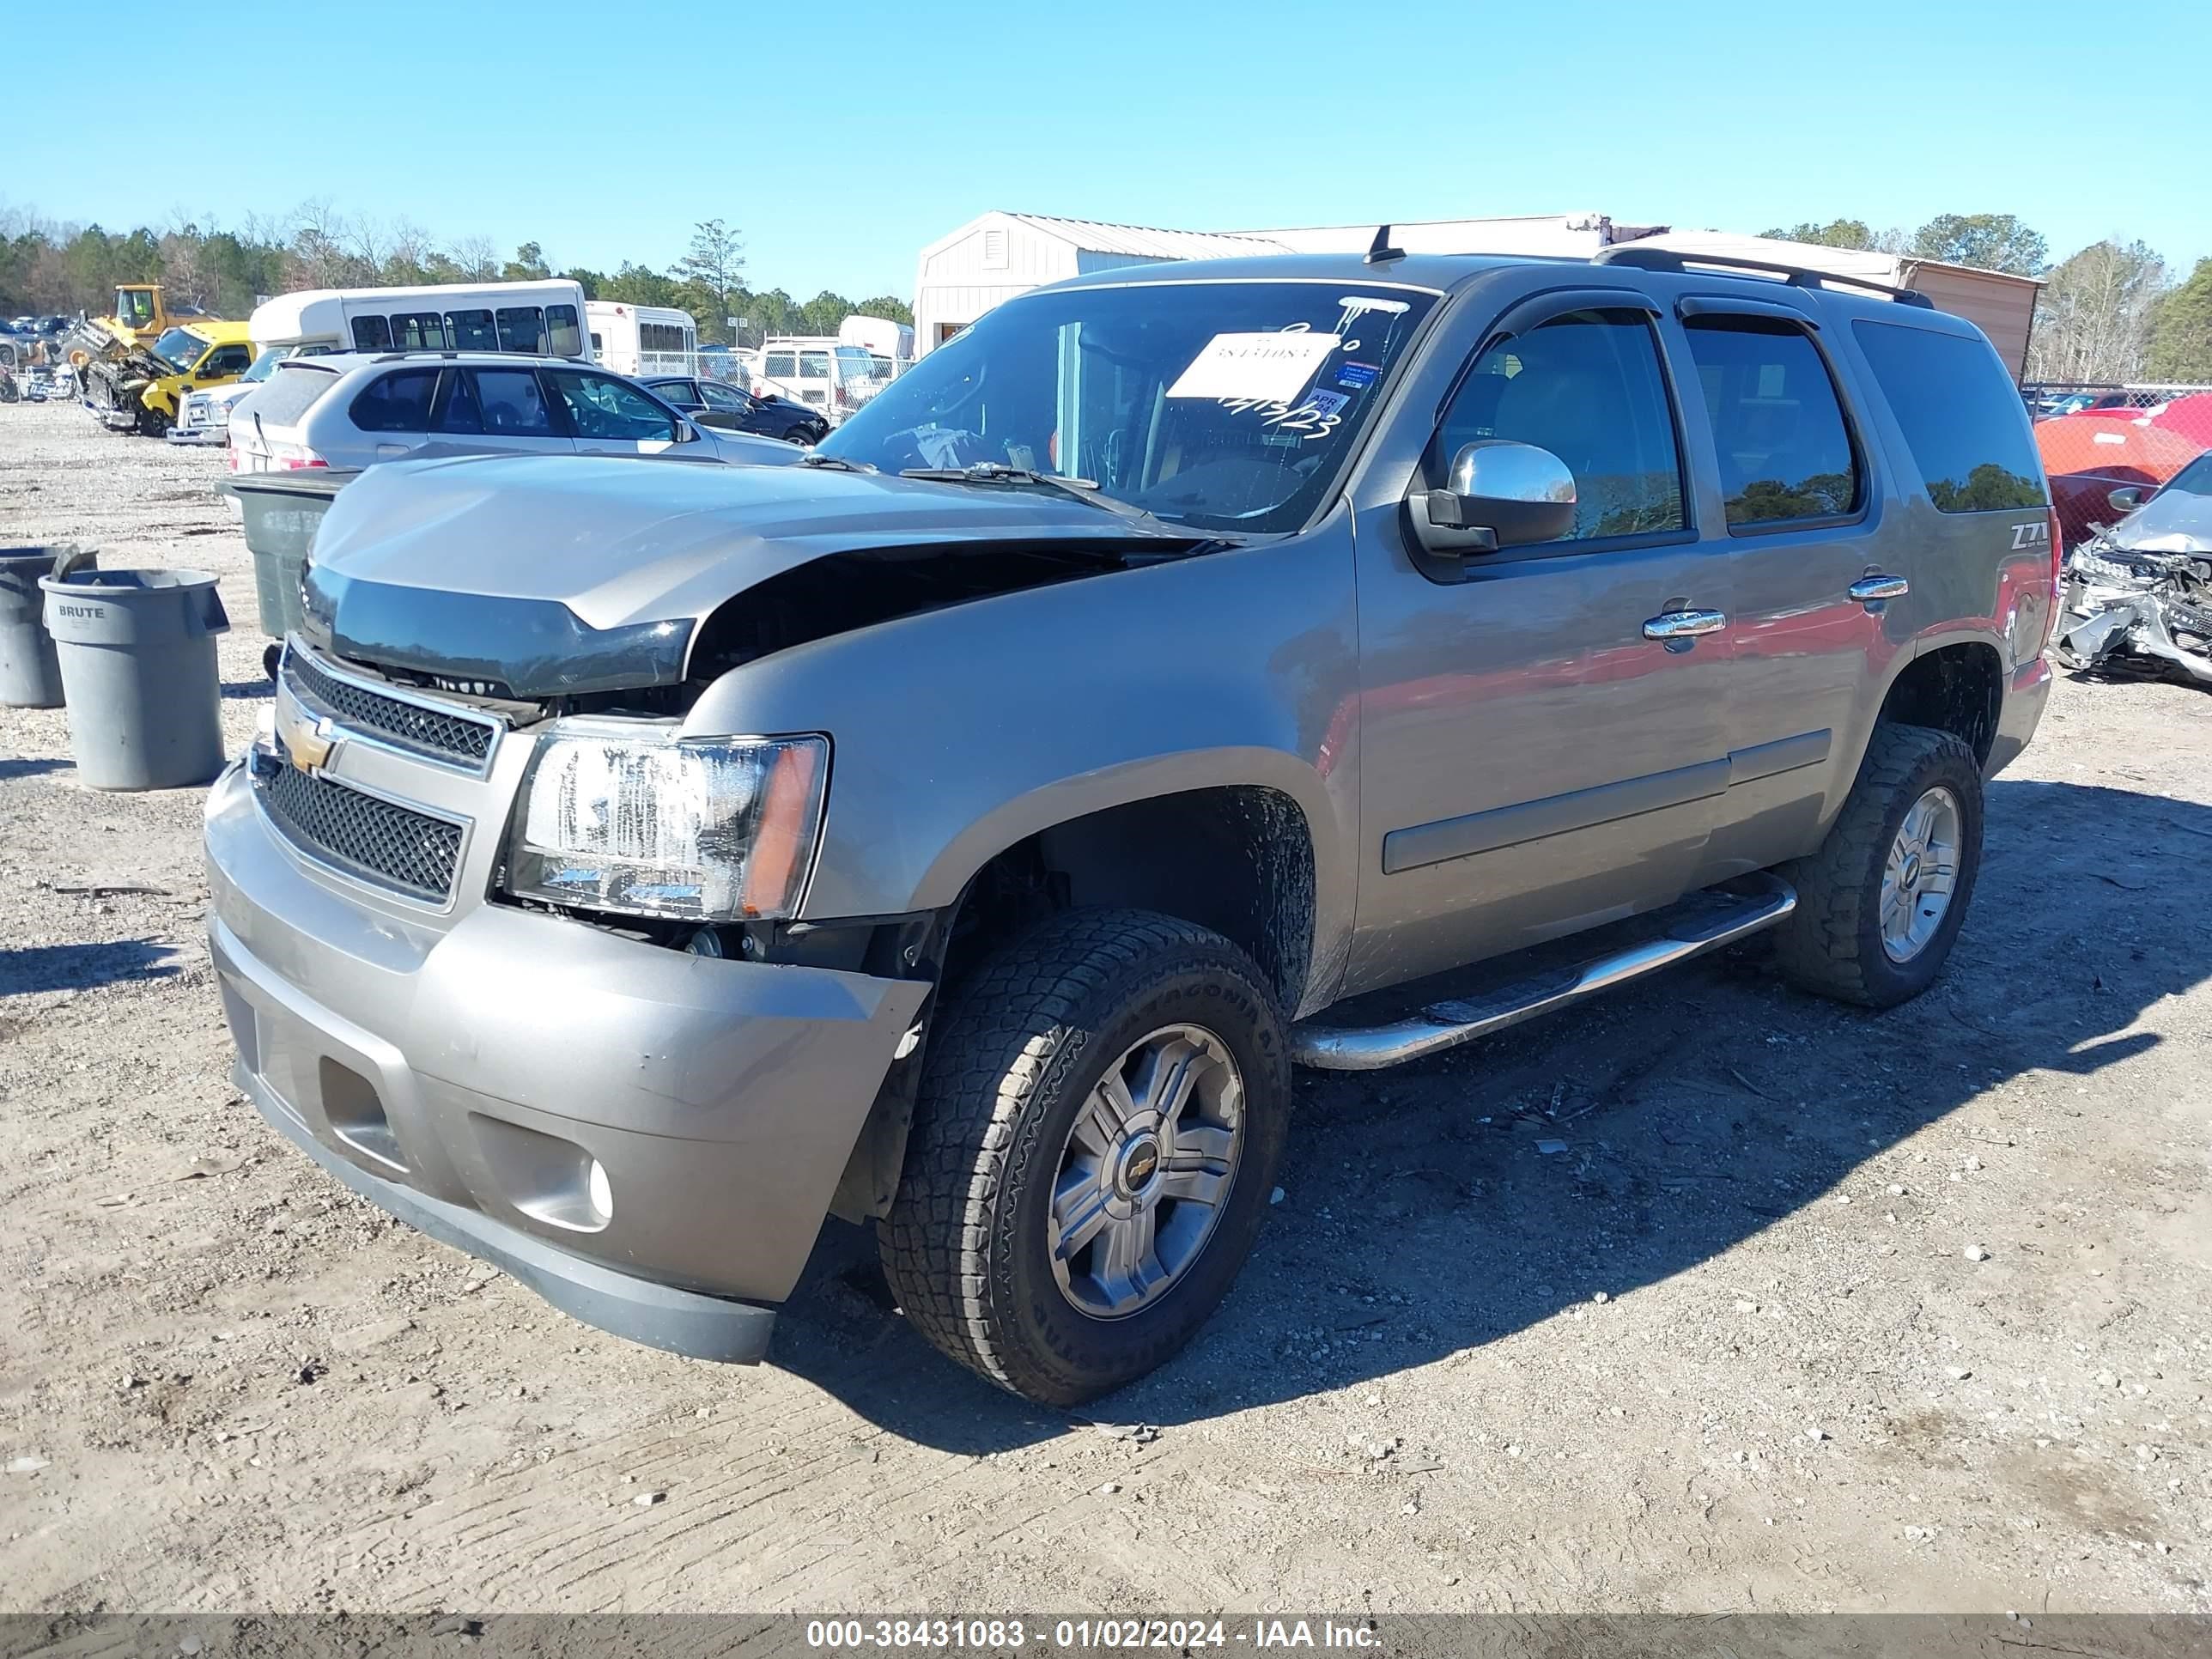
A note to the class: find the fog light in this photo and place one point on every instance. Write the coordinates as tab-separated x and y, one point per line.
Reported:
600	1190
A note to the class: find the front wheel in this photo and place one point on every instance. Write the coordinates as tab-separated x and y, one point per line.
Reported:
1100	1124
1881	903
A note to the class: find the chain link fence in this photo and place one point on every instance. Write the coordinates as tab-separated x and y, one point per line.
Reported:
2095	439
2045	399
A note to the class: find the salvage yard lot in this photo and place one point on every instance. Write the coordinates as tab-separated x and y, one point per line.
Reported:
1812	1308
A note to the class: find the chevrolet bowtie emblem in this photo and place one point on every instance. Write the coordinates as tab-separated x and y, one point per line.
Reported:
307	739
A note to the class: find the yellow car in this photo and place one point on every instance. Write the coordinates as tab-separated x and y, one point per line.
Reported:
143	390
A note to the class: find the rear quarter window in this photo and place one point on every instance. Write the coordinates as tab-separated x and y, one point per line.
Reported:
1961	417
398	402
292	391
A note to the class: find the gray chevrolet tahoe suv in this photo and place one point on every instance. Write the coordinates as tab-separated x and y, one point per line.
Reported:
970	827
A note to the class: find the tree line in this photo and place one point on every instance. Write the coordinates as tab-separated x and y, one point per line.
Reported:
47	267
2112	312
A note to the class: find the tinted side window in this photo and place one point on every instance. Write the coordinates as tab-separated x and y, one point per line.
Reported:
512	403
521	328
602	407
1963	421
398	402
472	331
227	360
683	393
457	410
721	396
372	334
1784	450
814	365
1587	386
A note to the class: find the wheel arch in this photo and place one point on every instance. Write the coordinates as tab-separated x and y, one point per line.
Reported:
1956	686
1248	867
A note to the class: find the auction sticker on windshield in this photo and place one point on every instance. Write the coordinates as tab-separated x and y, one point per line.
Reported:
1269	367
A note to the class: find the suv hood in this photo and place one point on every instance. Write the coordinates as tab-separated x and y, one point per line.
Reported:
549	576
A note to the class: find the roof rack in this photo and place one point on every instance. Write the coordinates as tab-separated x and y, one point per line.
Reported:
1668	258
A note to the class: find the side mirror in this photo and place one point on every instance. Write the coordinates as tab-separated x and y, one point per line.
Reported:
1500	494
2126	499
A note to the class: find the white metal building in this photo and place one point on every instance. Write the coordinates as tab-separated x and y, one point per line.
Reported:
994	258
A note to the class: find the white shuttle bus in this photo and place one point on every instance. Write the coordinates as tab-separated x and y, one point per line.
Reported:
642	340
546	319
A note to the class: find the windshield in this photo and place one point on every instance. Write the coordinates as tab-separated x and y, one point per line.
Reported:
1220	405
855	364
179	349
2194	479
265	365
134	306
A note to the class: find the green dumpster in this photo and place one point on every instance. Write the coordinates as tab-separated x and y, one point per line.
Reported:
283	510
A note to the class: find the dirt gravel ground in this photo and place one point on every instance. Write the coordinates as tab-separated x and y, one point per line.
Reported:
1814	1310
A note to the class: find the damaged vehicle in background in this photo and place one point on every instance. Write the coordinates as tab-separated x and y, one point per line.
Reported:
141	389
966	828
2139	594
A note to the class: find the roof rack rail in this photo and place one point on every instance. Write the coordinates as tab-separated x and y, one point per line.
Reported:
1669	258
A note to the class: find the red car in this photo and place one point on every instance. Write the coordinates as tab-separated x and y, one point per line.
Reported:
2090	454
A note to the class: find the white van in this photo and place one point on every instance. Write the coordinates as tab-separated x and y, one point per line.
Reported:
817	370
638	340
891	344
542	320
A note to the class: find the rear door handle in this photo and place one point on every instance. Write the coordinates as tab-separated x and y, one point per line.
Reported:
1684	624
1872	590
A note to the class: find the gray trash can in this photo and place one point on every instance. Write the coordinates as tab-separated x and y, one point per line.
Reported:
30	675
283	511
138	663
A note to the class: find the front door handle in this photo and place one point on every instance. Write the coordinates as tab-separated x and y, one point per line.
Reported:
1872	590
1672	625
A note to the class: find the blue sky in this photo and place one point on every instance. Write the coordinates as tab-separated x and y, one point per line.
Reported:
842	138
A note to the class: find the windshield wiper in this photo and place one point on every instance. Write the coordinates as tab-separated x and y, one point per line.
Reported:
1082	489
837	462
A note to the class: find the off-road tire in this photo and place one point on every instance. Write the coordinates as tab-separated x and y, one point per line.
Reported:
964	1245
1832	943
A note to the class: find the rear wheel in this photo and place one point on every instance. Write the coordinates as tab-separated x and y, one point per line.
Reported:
1101	1121
1879	905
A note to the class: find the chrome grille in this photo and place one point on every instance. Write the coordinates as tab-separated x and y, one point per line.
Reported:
363	835
463	739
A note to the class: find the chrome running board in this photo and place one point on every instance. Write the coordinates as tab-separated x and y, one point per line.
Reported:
1447	1025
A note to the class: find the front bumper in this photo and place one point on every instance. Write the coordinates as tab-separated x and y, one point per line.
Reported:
467	1074
210	436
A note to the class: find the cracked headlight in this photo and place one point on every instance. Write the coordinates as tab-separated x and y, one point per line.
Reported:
619	817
